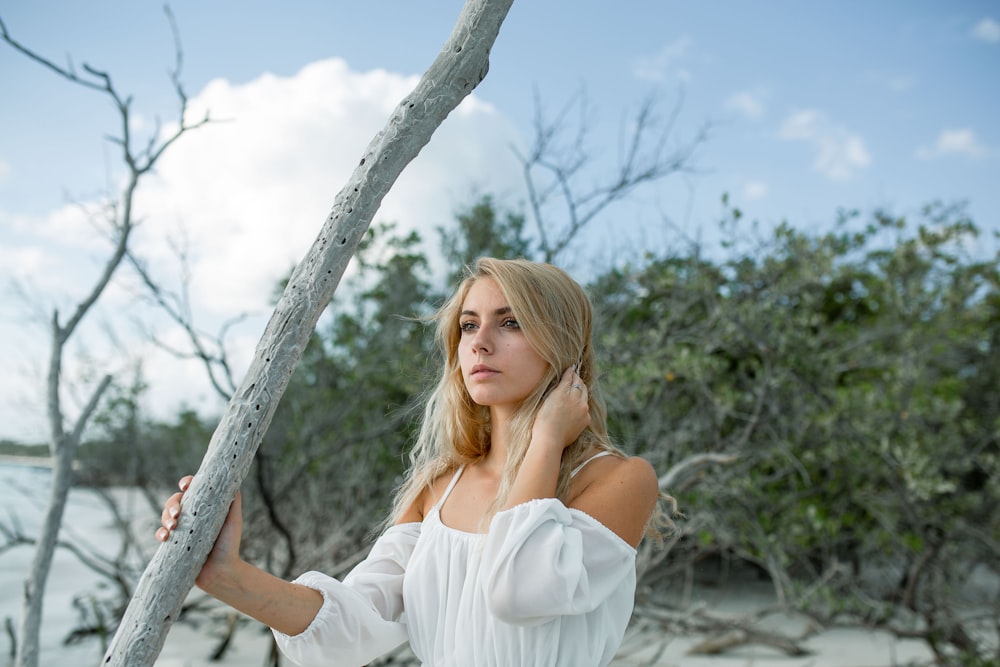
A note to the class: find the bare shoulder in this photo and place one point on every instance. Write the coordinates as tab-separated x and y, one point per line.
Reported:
426	499
619	492
633	478
627	474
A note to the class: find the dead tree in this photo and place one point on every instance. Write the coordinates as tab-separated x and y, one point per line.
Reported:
556	168
461	65
64	438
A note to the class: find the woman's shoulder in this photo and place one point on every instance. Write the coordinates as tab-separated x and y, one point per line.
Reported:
614	465
428	496
615	473
619	491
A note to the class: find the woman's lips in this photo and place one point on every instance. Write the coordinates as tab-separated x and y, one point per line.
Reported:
481	371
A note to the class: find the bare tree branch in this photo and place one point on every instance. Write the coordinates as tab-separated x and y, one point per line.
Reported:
63	445
177	308
553	168
691	466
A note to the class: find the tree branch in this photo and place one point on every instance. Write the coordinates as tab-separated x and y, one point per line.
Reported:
554	171
461	65
690	466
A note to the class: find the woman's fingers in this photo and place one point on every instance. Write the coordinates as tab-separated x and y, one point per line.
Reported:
168	518
565	413
172	510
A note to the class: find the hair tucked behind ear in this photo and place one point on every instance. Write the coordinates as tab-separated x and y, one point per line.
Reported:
556	317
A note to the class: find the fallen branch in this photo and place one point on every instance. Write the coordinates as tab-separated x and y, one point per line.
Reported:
743	637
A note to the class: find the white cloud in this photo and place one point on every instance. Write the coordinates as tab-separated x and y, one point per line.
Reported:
55	254
747	103
251	193
22	261
667	64
840	153
754	190
987	30
800	125
960	141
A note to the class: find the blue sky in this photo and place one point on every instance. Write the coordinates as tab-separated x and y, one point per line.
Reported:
812	107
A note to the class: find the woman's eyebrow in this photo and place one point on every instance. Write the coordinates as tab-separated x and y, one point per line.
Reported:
506	310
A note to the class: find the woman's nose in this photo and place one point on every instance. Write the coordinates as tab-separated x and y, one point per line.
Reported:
482	340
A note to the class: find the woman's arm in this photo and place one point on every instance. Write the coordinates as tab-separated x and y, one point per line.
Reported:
286	607
317	619
620	493
542	560
560	421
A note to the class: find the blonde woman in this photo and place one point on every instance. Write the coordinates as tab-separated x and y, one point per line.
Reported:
512	541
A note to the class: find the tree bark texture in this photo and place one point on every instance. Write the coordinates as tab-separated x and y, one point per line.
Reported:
459	67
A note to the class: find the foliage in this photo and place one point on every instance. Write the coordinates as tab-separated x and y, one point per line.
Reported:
853	371
11	448
482	231
127	448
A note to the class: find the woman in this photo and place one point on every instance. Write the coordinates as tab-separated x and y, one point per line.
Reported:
512	541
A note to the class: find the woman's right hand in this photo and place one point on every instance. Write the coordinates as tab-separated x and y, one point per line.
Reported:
225	553
287	607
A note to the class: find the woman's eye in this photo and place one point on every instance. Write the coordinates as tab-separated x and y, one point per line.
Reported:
510	323
467	326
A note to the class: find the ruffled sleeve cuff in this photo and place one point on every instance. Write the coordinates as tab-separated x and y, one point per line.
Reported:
361	617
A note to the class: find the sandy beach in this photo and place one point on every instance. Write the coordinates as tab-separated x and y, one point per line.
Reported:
24	491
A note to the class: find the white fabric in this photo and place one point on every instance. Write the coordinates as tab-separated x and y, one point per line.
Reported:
546	585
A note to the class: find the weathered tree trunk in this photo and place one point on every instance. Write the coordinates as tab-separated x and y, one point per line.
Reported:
461	65
33	590
63	448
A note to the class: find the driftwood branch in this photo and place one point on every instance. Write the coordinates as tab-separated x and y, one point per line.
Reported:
742	637
461	65
724	632
691	466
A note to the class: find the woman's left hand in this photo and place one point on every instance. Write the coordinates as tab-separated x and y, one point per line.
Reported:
565	412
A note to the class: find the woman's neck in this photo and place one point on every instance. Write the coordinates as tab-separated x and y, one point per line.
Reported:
496	457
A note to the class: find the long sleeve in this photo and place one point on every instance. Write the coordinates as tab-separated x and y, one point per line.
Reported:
361	617
542	560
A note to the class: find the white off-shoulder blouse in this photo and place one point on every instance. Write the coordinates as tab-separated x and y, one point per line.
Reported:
545	586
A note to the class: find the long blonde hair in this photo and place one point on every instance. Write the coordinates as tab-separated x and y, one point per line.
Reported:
556	317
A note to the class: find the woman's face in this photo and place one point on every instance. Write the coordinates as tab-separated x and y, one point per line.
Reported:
499	365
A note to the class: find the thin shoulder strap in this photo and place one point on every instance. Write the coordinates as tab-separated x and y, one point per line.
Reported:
582	465
451	485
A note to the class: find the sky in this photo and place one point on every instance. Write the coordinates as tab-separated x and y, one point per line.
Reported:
809	108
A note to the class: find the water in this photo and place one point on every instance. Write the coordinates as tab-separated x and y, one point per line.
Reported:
24	494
